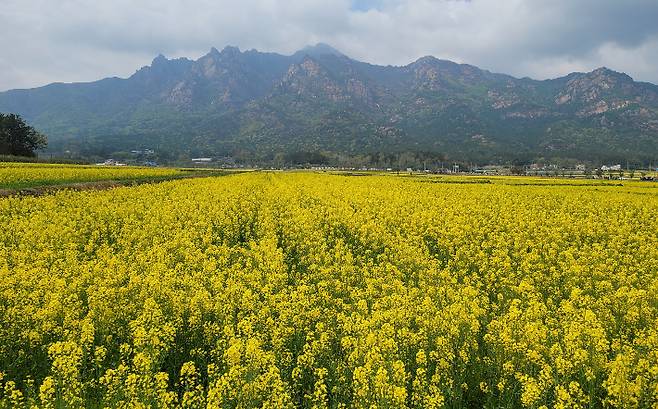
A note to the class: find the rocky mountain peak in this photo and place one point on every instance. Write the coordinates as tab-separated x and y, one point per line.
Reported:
603	70
319	49
230	51
159	60
214	58
593	86
214	63
606	74
432	70
427	72
426	60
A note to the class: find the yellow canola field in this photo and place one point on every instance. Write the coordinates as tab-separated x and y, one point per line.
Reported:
317	291
20	175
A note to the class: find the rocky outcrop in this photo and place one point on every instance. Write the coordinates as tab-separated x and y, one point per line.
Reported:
320	95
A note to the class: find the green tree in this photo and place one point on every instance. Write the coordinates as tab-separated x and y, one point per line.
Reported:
18	138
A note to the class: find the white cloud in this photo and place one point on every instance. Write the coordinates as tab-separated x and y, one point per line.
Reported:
81	40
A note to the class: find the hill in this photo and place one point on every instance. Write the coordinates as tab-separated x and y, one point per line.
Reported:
259	104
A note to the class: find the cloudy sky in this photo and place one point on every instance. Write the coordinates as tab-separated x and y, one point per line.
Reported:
43	41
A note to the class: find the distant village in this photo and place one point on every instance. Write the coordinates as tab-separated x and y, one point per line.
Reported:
144	157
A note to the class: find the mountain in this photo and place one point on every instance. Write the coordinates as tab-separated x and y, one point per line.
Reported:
231	102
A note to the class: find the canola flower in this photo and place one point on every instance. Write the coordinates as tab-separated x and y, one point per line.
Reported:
303	290
21	175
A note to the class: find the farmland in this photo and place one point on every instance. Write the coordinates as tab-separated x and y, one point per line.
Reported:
283	290
28	175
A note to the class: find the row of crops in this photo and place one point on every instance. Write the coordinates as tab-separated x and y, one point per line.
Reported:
306	290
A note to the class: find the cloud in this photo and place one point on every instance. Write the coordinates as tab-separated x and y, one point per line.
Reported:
82	40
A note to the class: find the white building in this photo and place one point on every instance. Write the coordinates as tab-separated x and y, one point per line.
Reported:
611	167
201	160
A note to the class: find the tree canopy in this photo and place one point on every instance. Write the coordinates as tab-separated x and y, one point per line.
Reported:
18	138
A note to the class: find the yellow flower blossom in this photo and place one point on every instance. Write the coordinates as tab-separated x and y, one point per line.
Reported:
283	290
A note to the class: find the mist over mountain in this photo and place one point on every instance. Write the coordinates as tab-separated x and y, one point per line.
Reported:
231	102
